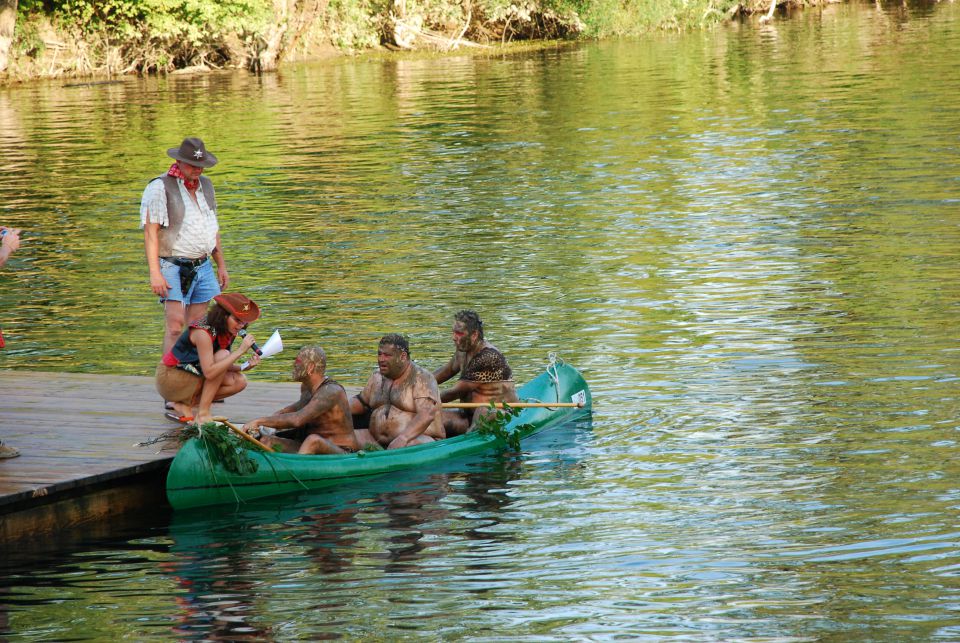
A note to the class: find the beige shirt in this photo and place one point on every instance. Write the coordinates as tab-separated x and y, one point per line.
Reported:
198	233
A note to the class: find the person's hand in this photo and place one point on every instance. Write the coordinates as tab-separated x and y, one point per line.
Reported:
253	361
247	342
252	428
11	240
223	277
159	285
398	442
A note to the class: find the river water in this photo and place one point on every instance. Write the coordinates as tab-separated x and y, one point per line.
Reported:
746	239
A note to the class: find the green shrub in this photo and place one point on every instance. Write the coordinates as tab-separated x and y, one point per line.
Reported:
355	24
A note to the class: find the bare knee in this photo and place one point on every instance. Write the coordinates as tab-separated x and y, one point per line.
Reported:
175	321
315	444
455	424
309	445
231	384
175	315
174	329
365	438
237	383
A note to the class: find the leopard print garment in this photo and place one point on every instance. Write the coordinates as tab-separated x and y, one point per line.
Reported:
489	365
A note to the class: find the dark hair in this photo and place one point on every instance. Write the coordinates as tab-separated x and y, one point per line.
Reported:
217	317
471	320
397	340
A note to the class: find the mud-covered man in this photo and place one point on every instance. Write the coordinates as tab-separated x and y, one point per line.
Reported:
321	418
401	397
485	375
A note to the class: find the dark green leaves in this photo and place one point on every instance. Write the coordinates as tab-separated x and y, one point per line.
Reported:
495	423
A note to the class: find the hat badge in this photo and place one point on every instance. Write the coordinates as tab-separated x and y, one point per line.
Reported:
246	307
198	154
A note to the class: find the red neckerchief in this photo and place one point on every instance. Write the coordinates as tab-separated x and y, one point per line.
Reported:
175	172
222	339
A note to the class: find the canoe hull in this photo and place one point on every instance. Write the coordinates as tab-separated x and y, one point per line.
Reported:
195	481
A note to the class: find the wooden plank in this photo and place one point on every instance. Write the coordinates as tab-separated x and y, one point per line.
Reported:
76	434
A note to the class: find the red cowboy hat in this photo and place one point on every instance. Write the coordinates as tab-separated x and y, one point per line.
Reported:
240	306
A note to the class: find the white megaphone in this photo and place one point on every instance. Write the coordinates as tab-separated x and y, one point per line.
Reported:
271	347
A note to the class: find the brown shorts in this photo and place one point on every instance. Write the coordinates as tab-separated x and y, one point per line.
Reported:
177	385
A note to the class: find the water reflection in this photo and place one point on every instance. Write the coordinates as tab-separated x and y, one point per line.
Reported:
216	591
306	562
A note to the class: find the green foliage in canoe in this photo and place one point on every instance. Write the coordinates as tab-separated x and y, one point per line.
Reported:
222	446
495	423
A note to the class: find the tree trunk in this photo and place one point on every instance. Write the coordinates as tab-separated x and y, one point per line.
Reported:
8	20
291	18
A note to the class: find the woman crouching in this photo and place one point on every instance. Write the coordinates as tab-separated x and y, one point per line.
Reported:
201	367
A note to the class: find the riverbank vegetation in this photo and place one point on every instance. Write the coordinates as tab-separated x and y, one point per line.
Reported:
51	38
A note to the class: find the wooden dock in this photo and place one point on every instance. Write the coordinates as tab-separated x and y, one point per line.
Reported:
76	434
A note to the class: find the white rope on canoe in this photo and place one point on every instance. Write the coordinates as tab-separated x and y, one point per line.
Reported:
555	361
553	374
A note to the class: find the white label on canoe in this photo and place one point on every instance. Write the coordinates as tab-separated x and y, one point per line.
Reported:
580	397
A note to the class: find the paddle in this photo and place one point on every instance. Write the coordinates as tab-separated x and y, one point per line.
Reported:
512	405
242	433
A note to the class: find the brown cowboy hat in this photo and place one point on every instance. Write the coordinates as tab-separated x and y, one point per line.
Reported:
193	152
240	306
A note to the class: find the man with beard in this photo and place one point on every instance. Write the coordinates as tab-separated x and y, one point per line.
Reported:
320	418
401	397
485	375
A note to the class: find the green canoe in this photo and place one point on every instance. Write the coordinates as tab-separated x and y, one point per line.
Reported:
195	480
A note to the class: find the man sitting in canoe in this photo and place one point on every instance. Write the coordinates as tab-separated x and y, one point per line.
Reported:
485	375
321	415
402	398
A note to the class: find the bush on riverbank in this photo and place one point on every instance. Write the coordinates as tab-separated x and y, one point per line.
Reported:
85	37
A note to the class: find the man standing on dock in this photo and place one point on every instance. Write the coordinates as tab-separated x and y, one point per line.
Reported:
9	242
485	375
178	214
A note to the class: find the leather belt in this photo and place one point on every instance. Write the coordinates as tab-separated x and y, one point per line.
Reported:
183	262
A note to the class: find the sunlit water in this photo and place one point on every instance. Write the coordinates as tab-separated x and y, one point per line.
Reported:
746	240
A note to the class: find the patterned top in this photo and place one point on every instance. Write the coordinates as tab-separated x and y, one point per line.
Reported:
198	234
184	355
489	365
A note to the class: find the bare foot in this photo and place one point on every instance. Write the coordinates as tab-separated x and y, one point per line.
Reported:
182	409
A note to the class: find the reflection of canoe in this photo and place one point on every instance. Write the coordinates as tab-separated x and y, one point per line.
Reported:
194	480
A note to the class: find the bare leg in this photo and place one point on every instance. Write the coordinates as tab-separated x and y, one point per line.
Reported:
315	444
455	423
232	384
182	409
287	445
175	318
213	389
420	439
365	438
195	312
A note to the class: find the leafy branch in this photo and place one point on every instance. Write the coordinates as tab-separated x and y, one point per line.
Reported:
495	423
222	446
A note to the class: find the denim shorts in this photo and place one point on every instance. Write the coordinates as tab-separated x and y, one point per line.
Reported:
204	287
